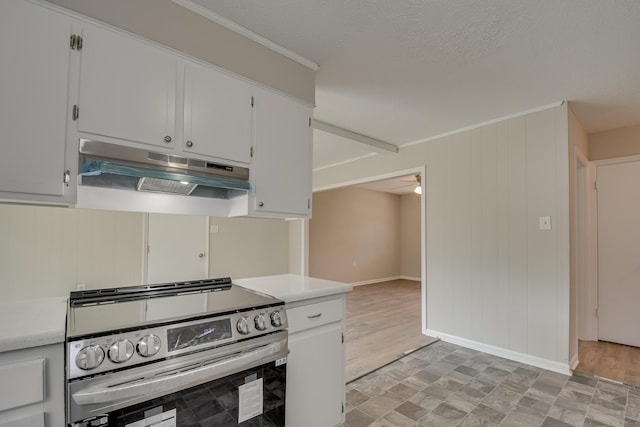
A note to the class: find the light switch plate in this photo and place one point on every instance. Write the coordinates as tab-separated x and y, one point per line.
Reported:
545	223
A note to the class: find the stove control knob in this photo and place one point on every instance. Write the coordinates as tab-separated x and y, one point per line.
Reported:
261	322
148	345
244	326
89	357
276	318
121	351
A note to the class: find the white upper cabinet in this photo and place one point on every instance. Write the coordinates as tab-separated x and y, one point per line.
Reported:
127	88
281	168
217	114
34	73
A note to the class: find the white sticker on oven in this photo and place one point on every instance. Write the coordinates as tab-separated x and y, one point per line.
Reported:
250	404
162	419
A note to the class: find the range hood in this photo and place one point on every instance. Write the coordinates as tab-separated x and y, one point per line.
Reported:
117	167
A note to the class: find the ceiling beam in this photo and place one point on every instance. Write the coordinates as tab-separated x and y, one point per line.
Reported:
375	144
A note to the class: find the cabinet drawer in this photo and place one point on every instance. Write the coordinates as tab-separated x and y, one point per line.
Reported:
27	383
312	315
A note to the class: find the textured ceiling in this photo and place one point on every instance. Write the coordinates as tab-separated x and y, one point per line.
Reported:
405	70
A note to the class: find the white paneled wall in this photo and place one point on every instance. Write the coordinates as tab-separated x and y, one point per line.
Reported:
46	252
493	276
494	280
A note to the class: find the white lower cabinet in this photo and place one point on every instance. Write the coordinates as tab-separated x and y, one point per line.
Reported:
32	394
315	366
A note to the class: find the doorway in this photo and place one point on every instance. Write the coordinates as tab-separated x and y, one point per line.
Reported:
341	202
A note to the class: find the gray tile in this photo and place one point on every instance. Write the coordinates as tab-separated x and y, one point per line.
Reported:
378	406
355	398
567	415
474	421
356	418
403	390
522	417
552	422
412	410
449	412
489	414
395	419
426	401
534	404
434	420
590	422
466	370
426	388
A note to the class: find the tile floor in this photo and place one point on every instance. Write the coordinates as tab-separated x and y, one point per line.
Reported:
448	385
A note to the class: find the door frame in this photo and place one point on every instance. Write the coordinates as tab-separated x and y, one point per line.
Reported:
422	171
594	227
585	269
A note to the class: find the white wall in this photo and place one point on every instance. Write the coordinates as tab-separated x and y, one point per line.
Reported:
410	253
248	247
46	252
494	280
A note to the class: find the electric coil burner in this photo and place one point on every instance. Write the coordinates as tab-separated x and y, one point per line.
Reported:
195	353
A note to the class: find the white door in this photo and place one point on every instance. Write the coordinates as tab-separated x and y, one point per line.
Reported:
619	253
177	248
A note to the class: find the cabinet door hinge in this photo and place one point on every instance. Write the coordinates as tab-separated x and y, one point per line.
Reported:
251	152
252	102
595	185
75	113
308	203
66	177
76	42
309	121
342	407
342	337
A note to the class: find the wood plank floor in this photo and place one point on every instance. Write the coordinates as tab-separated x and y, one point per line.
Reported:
383	322
609	360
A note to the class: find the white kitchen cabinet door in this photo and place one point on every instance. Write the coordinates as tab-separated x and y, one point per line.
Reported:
217	114
618	255
34	70
177	248
282	156
315	384
127	89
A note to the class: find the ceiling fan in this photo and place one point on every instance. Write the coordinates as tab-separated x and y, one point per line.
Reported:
412	182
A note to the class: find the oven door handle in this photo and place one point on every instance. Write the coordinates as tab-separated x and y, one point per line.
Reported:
206	370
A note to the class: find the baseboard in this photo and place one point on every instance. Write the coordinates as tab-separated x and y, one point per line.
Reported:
573	363
550	365
385	279
380	280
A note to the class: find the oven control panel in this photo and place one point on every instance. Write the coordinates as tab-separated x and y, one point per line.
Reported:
95	355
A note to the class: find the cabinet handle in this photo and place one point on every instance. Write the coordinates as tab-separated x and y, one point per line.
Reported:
167	139
189	144
314	316
261	204
201	255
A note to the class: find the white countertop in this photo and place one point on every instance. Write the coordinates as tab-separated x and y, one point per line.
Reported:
32	323
292	287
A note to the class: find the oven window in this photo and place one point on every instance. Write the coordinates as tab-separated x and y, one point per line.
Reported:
194	335
215	403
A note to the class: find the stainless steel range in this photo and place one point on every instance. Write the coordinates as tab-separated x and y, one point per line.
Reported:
176	354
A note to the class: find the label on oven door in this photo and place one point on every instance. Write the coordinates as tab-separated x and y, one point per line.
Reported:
152	419
250	404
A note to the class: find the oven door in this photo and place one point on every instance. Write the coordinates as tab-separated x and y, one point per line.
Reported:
225	386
